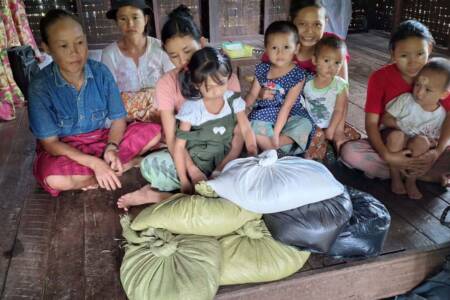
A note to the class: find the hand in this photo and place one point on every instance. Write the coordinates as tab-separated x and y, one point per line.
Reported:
214	174
252	149
276	140
186	187
266	94
105	176
400	160
112	159
424	163
196	175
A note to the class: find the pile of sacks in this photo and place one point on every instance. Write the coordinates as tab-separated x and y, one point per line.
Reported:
187	246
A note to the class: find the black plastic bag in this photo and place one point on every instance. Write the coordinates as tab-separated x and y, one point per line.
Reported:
23	65
435	288
367	229
313	227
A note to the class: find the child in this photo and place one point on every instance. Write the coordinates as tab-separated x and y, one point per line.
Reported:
327	94
281	122
208	118
310	18
416	120
410	47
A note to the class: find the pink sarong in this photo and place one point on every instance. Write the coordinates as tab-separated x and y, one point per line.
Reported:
136	137
360	155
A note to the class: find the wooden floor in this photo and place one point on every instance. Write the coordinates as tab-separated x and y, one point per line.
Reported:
68	247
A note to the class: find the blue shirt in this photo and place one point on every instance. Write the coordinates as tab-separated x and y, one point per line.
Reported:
56	108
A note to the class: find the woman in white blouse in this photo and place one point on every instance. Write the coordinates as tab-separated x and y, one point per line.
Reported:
136	60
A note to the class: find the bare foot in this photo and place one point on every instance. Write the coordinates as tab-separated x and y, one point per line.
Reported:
397	187
90	187
412	189
142	196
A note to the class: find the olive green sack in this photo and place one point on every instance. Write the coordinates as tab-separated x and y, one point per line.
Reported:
194	214
158	265
251	255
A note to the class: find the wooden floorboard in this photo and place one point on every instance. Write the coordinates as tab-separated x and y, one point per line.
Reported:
16	154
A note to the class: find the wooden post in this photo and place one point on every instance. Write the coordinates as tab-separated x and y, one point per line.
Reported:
398	6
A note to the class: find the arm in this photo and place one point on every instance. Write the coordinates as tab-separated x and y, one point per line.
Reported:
338	113
389	121
179	156
105	176
395	159
252	95
283	115
169	126
111	157
247	133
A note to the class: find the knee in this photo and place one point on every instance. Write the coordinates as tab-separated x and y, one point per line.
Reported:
60	183
419	144
395	139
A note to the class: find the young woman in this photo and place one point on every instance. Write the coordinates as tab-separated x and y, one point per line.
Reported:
136	60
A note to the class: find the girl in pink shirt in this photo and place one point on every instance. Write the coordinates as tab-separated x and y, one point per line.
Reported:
410	47
180	38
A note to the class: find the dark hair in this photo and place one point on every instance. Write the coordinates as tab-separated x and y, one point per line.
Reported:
50	18
330	41
439	65
204	62
407	29
281	27
146	12
298	5
180	23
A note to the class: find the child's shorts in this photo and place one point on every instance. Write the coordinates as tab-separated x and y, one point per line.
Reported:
297	128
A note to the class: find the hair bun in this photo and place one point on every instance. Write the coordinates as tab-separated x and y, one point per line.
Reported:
182	11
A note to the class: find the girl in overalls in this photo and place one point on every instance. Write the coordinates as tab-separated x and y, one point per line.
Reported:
209	116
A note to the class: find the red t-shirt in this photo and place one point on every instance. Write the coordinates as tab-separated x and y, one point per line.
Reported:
307	64
384	85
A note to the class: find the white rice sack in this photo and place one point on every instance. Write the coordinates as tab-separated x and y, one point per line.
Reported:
266	184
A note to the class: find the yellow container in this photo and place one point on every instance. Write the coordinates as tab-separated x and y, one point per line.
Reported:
237	49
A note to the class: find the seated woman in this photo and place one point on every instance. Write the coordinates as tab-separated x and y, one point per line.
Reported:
181	38
70	104
136	60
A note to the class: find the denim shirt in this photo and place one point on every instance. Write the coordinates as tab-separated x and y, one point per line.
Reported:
56	108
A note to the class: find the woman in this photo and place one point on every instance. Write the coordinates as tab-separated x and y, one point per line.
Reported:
136	60
71	101
181	38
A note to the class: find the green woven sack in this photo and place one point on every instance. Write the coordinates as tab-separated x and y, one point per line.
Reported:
158	265
194	214
252	255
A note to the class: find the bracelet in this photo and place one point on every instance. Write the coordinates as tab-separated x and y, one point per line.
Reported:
112	144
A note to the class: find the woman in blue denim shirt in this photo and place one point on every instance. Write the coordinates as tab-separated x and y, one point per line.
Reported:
70	102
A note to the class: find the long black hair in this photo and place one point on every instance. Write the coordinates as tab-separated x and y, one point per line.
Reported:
410	28
180	23
206	62
297	5
51	17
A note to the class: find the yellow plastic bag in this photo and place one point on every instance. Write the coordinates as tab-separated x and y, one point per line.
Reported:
194	214
251	255
159	265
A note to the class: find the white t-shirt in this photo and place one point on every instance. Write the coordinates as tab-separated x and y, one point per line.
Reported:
320	103
195	112
413	120
131	78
